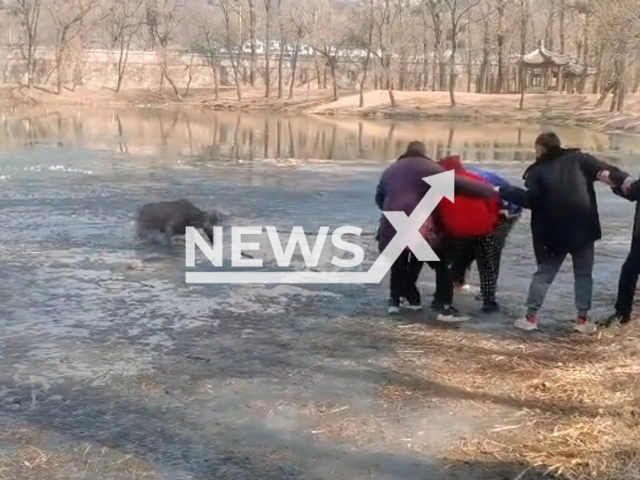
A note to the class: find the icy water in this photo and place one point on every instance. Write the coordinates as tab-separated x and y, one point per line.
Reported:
105	344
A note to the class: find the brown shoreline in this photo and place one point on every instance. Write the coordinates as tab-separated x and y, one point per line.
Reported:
551	108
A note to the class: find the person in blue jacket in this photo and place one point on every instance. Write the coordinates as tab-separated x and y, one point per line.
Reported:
485	250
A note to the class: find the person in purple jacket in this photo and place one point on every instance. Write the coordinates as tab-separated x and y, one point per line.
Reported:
400	189
485	250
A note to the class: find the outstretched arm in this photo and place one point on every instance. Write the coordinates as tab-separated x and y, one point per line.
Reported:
597	170
462	186
472	188
524	197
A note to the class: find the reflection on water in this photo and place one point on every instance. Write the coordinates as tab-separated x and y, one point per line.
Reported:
258	135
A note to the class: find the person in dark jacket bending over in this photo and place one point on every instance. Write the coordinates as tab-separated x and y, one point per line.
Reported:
564	221
400	189
631	268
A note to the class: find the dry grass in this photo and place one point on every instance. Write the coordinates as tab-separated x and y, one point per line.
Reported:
576	400
24	456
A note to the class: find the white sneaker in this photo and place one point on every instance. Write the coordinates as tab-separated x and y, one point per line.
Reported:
465	287
450	314
527	323
585	326
451	318
415	307
393	307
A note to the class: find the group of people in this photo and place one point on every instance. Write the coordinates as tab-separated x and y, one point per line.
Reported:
559	191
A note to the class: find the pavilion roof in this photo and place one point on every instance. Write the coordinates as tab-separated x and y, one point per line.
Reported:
541	57
576	69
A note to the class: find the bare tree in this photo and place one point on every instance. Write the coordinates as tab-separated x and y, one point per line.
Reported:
170	14
298	35
233	44
384	34
363	38
458	20
69	18
283	46
482	80
619	30
500	37
325	35
584	8
28	14
268	4
524	22
435	13
562	12
208	43
252	26
123	21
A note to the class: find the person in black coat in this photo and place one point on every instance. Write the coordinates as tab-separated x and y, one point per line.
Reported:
631	268
564	221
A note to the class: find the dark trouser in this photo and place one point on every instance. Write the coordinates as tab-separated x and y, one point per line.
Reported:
582	259
444	280
404	276
629	279
486	250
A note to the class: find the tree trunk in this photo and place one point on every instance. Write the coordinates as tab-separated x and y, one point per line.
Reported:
189	76
452	73
500	80
294	64
332	65
59	72
549	32
317	67
216	84
281	57
603	96
596	80
402	74
267	51
365	70
621	91
252	41
481	85
122	62
523	45
386	65
280	68
367	59
585	53
425	62
562	25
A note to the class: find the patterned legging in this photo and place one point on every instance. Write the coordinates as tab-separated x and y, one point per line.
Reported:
486	250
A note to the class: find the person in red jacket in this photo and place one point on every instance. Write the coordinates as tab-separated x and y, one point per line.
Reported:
401	188
485	250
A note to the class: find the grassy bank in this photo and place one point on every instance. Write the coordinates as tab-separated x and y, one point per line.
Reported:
551	108
575	400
